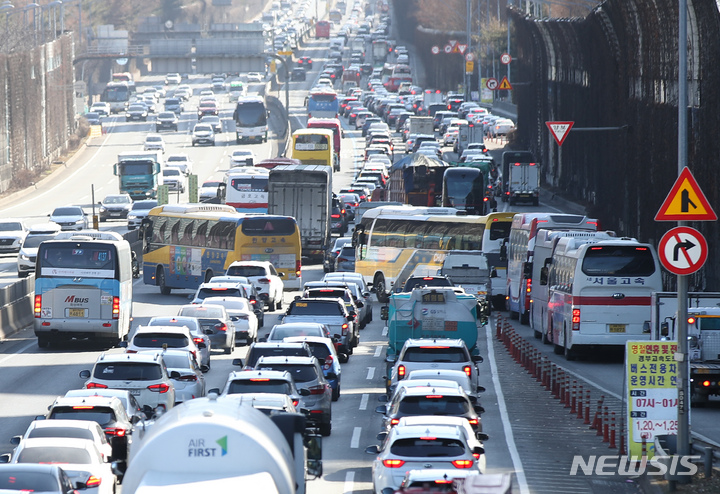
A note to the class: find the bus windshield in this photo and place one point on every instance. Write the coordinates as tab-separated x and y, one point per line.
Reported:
115	93
268	226
250	114
249	184
77	259
617	260
323	104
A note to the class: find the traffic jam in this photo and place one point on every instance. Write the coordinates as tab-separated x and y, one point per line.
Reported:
322	320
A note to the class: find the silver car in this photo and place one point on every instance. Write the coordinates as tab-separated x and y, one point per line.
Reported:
139	212
69	218
262	381
193	324
215	323
308	375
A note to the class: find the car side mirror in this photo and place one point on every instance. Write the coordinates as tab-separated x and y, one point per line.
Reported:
478	450
336	337
372	450
383	398
238	362
304	392
382	409
122	344
214	390
382	436
281	274
478	409
174	375
84	374
478	359
263	339
360	304
481	389
15	440
5	458
493	273
204	368
343	358
42	417
138	417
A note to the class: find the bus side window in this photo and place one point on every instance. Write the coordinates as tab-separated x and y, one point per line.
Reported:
175	231
201	235
215	233
187	238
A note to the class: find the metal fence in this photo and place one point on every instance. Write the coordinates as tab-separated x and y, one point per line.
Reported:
617	69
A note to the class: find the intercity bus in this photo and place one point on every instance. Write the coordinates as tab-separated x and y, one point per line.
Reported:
117	94
323	103
187	244
247	189
521	253
322	29
600	292
83	288
496	232
250	118
313	146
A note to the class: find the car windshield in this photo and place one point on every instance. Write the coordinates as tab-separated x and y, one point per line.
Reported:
157	340
260	385
171	171
33	241
101	415
144	205
153	139
167	115
67	212
417	447
302	373
203	312
437	354
203	128
10	227
27	481
279	351
127	371
74	432
314	308
54	455
279	333
246	271
116	200
434	405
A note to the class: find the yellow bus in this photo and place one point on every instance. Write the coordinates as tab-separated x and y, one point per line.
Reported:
393	243
496	232
313	146
185	245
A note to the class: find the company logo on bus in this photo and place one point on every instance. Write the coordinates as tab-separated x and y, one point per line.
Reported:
72	299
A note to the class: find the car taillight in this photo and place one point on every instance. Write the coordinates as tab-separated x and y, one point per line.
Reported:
473	421
344	328
394	463
295	403
334	215
576	319
116	308
401	371
317	390
475	455
463	463
95	386
197	340
468	370
394	421
115	431
159	388
253	301
93	481
188	378
38	305
221	326
328	362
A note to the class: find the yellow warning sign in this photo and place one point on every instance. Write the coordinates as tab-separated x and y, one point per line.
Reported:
505	84
686	201
469	67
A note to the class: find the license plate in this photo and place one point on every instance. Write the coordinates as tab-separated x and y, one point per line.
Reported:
114	214
135	392
617	328
76	312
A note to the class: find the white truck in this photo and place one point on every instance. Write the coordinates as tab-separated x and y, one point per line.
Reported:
468	134
703	337
523	183
421	125
470	270
217	444
305	193
431	97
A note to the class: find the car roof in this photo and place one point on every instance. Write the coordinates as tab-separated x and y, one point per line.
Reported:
448	431
67	442
65	423
418	382
127	357
308	339
220	284
436	374
290	359
439	342
246	375
94	400
160	319
161	329
299	325
264	400
433	390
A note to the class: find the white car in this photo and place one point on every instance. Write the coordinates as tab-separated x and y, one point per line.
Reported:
12	234
254	77
181	161
241	315
173	178
173	78
455	376
242	157
209	190
28	250
189	382
80	458
154	142
101	107
203	134
266	279
139	211
196	330
413	447
79	429
70	218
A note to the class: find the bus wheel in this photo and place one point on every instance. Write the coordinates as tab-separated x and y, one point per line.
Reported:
208	275
569	353
544	338
160	277
380	290
557	349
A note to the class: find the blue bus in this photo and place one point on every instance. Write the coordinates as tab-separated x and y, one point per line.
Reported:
83	288
323	104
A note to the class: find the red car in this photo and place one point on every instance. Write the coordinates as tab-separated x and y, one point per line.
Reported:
207	108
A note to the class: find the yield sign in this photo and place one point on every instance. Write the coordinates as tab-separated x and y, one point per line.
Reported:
505	84
683	250
559	130
462	48
452	43
686	201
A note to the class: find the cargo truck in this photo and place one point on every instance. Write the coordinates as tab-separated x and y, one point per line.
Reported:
523	184
379	51
305	193
139	173
220	444
421	125
703	331
432	97
510	158
468	134
471	271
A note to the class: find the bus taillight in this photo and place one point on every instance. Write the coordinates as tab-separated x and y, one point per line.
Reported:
528	286
298	268
576	319
116	308
38	306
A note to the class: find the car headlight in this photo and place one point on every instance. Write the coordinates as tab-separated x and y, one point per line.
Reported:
103	209
24	257
81	220
132	216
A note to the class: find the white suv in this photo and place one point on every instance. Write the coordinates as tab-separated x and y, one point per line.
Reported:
155	337
144	375
266	279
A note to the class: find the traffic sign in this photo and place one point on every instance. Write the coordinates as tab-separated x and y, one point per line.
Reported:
683	250
492	84
505	58
452	43
462	48
469	67
469	57
559	130
286	53
448	49
686	201
505	84
435	50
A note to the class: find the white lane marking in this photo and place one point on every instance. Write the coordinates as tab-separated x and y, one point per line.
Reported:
371	373
364	401
507	428
385	331
349	483
355	441
378	349
22	350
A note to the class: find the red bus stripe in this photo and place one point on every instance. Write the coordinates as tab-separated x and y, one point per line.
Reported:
609	301
247	205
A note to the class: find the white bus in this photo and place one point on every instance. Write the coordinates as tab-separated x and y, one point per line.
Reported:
83	288
600	292
247	189
520	253
546	242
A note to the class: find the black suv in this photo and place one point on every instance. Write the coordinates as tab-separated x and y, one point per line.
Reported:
421	281
338	217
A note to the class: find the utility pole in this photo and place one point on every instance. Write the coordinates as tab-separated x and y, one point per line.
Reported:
468	77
